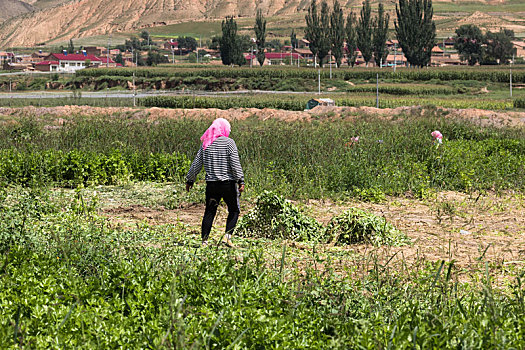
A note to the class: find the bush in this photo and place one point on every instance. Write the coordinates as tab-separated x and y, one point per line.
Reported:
276	217
356	226
519	103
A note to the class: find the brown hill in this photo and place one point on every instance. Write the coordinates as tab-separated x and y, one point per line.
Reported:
83	18
12	8
60	20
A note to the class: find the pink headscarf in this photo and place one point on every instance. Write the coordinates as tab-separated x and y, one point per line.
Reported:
436	135
219	127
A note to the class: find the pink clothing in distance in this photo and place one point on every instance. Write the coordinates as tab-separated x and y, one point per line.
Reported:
436	135
219	127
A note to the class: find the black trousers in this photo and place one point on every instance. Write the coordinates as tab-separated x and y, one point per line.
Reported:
215	191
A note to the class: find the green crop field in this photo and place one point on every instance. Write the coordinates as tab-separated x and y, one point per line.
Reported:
391	241
451	87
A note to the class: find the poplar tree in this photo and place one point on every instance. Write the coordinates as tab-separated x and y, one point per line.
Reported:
317	30
70	47
293	40
313	29
351	38
324	46
230	44
337	29
260	36
415	30
364	32
379	36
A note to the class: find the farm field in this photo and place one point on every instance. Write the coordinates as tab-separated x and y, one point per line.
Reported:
101	247
194	86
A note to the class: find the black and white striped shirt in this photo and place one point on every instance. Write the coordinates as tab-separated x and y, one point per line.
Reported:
220	160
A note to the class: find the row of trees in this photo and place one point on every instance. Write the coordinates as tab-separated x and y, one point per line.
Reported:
415	30
327	30
232	45
491	48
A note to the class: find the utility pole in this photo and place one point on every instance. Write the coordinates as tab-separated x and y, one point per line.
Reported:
395	56
319	82
377	90
109	43
330	58
510	85
134	91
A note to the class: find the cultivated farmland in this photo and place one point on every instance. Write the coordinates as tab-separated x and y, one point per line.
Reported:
360	231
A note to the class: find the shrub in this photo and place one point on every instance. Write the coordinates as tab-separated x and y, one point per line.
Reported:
276	217
355	226
519	103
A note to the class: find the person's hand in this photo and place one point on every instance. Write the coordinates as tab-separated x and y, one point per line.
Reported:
241	188
188	186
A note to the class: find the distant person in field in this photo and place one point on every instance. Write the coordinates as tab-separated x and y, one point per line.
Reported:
224	176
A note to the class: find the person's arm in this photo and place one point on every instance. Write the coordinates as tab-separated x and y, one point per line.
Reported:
235	164
195	168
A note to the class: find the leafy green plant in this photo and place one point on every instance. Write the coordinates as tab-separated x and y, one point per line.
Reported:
356	226
276	217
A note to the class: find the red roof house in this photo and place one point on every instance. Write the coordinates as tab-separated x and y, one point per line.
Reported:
72	62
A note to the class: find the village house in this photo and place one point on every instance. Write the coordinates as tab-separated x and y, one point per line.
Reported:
171	45
519	46
6	56
274	58
452	60
398	60
446	43
303	43
94	50
47	66
39	56
305	54
392	45
73	62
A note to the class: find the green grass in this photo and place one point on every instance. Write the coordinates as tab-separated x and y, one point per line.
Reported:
71	279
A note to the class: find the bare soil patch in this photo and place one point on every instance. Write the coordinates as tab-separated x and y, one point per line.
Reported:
468	230
57	116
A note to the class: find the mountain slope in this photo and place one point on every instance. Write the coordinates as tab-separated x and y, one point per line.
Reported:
60	20
12	8
84	18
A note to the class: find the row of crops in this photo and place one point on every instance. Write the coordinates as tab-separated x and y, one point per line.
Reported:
496	74
298	159
298	103
74	167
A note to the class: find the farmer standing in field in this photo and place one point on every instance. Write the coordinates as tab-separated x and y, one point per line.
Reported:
224	176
